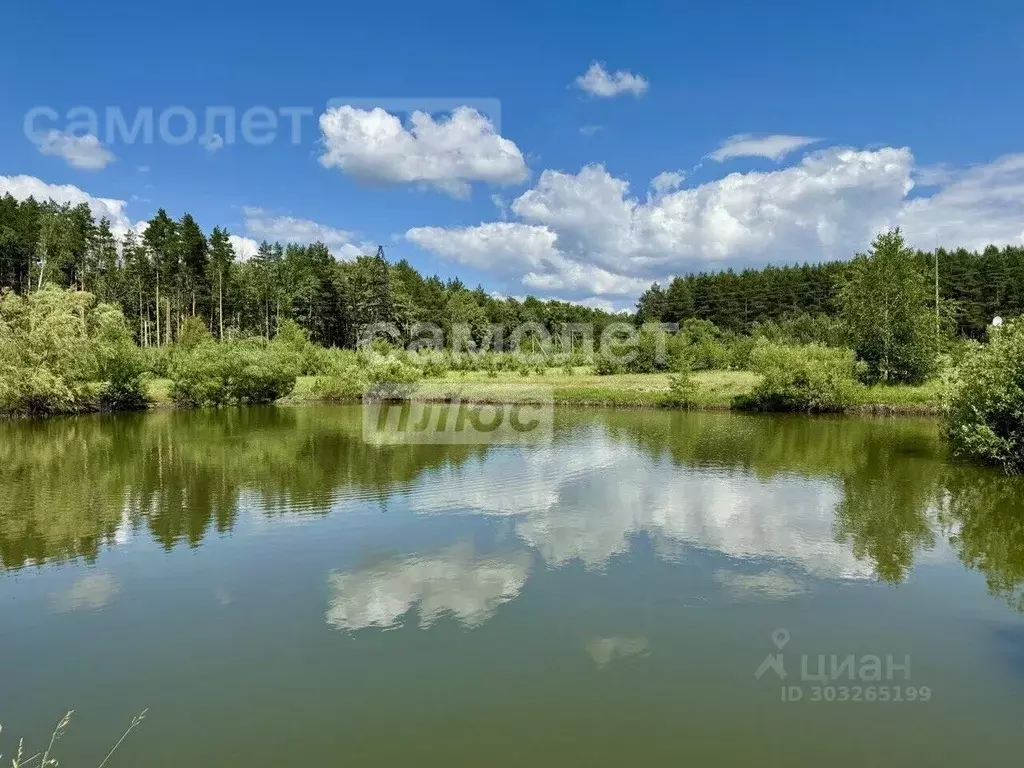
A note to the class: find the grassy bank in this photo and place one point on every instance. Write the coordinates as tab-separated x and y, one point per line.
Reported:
714	389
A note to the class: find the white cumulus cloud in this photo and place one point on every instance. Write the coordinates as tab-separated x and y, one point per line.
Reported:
447	154
263	225
494	246
24	187
245	247
973	208
86	153
666	181
598	81
771	146
585	234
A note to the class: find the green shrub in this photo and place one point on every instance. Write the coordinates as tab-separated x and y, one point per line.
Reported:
649	354
649	351
739	351
606	364
391	379
804	328
580	359
313	360
236	373
262	374
157	360
341	384
121	364
682	390
434	367
700	345
984	404
60	352
193	333
382	347
201	377
887	306
708	354
506	361
333	360
694	329
808	378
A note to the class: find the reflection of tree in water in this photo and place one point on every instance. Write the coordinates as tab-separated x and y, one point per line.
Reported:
886	494
53	482
67	486
984	514
891	472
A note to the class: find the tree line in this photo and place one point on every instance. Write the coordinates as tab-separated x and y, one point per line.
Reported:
977	286
174	271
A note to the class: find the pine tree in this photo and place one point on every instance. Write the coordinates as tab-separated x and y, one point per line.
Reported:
370	284
161	239
103	264
221	258
678	301
194	257
650	307
267	274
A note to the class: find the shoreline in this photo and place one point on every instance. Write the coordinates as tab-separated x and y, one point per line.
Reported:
870	409
715	392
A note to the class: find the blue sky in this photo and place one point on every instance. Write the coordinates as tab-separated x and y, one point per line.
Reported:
912	105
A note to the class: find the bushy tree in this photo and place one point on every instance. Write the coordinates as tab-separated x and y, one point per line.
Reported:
682	389
984	407
700	344
193	333
120	362
60	352
890	313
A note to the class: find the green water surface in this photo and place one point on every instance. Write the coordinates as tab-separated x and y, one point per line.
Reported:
277	592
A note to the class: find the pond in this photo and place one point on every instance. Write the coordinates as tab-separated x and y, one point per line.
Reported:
646	588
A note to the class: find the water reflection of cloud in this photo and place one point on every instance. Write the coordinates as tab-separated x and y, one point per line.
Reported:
455	580
90	592
585	502
605	650
772	584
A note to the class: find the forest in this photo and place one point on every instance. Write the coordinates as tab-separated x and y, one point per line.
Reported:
175	270
977	286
